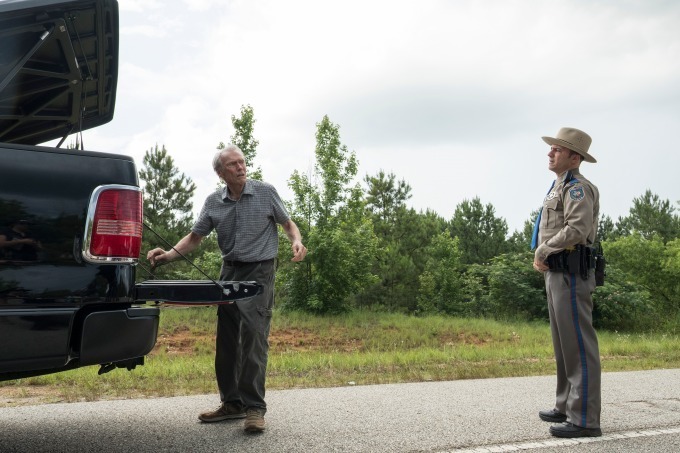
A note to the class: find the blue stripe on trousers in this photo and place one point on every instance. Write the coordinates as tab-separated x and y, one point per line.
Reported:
581	351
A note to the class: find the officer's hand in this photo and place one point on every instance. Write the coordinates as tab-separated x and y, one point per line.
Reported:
540	266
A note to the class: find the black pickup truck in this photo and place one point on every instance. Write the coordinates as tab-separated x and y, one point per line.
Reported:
71	221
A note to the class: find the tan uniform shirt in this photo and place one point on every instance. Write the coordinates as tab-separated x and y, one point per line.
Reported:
570	215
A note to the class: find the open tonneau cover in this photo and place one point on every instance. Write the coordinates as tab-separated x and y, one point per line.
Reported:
58	67
195	292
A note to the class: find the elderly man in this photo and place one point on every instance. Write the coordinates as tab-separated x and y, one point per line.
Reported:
244	214
563	235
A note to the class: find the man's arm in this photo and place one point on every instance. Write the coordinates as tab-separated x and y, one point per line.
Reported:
295	238
185	245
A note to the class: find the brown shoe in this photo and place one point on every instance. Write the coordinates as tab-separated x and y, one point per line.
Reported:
254	421
227	411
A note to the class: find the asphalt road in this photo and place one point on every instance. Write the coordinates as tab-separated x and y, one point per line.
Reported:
640	413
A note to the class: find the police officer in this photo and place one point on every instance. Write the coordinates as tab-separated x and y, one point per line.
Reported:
565	228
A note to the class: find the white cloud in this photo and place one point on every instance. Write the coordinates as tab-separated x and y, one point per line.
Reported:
453	97
149	31
139	6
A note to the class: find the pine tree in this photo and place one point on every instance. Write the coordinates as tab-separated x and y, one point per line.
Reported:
167	201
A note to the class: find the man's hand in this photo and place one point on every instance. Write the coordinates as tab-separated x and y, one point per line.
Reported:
156	256
540	266
185	245
295	238
299	251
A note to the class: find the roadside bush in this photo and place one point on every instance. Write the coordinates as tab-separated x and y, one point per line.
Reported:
516	290
650	264
622	305
440	286
506	288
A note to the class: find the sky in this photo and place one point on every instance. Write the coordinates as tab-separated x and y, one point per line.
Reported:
451	96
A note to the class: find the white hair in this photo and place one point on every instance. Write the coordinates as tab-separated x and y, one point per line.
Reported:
217	160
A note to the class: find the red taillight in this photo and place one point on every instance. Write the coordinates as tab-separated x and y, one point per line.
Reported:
117	224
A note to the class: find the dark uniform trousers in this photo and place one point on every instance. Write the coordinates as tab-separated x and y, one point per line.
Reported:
576	349
242	344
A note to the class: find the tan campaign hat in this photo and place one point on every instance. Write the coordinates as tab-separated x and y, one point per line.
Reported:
574	140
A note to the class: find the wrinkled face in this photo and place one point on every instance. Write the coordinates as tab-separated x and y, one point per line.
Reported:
233	169
562	159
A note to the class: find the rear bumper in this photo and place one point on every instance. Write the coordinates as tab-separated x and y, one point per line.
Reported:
111	336
43	341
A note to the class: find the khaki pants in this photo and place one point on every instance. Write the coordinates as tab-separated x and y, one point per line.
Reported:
577	354
242	345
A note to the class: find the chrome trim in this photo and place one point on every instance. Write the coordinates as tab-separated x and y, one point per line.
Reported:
87	236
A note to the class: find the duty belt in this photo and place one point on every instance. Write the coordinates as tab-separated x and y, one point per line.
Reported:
577	260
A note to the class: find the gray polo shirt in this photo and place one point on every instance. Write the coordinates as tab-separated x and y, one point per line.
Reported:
246	229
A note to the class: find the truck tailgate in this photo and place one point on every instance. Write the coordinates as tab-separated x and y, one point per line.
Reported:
195	292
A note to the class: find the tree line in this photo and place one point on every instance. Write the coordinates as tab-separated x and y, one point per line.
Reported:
369	250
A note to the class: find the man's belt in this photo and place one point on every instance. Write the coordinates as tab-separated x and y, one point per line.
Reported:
575	260
230	263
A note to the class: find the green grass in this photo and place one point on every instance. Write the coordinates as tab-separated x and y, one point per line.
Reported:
353	349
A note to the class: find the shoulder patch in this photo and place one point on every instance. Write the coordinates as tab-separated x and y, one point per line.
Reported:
577	193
